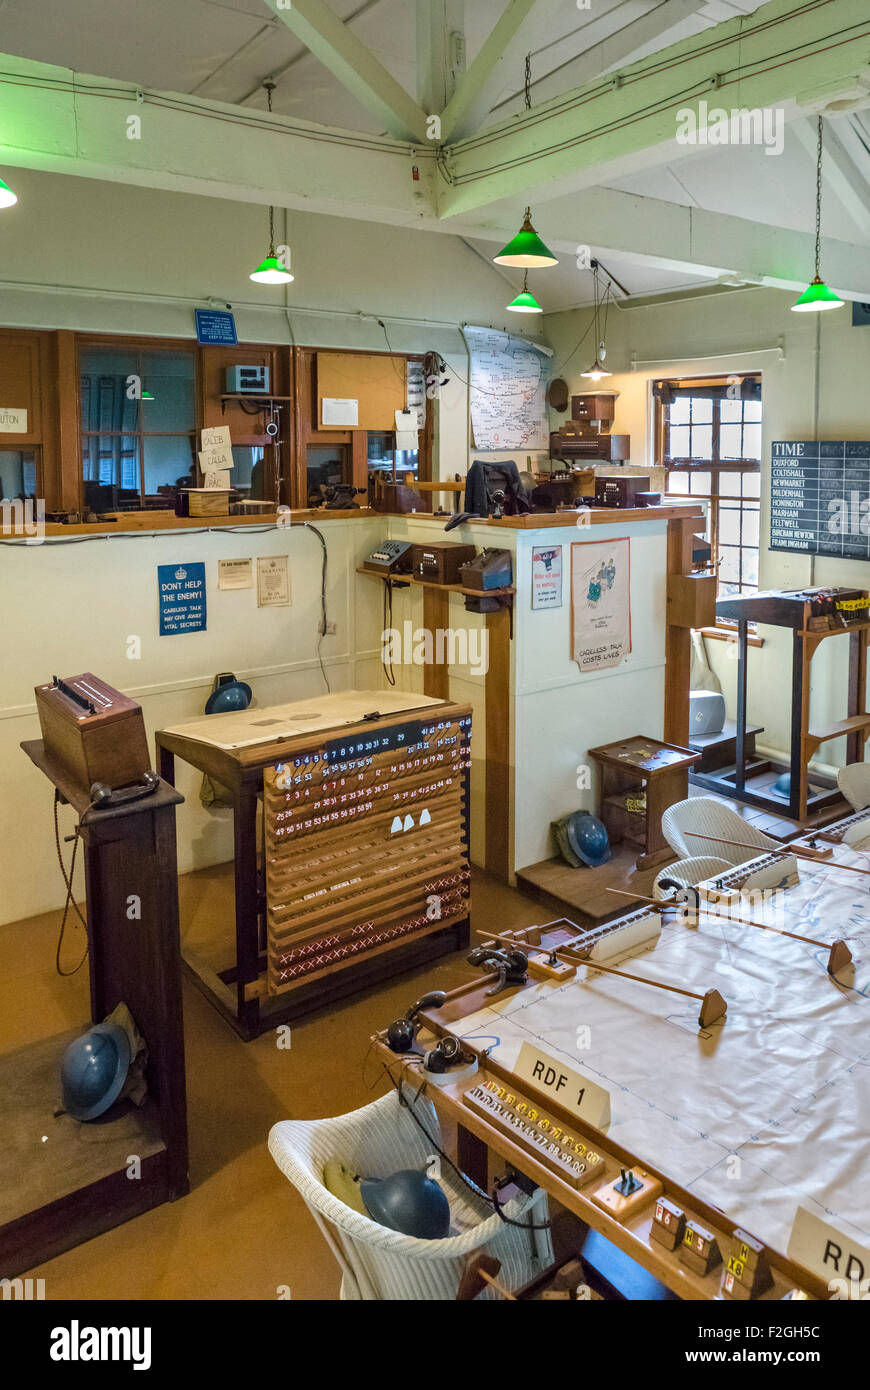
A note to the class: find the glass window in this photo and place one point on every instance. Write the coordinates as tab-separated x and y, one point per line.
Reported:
138	417
18	470
249	472
326	464
712	451
382	453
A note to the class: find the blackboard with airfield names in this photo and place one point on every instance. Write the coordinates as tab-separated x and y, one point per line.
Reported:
820	497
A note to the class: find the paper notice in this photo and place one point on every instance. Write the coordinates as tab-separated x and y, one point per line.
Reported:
12	420
235	574
406	429
217	437
273	581
340	412
217	459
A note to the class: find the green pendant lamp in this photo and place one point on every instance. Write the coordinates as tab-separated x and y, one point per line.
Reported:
526	251
271	271
525	302
7	197
817	296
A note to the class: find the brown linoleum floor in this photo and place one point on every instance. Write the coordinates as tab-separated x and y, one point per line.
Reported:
242	1231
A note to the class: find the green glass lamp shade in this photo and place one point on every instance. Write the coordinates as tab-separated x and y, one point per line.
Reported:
525	303
7	197
816	297
526	251
271	272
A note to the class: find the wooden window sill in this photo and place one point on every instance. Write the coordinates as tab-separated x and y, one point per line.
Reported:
729	634
148	522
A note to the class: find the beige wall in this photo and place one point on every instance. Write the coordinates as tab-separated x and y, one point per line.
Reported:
739	331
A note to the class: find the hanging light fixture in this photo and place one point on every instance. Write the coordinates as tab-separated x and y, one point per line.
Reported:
597	371
526	251
817	296
7	197
270	271
525	302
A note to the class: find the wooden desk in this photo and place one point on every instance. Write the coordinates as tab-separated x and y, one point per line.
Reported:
241	992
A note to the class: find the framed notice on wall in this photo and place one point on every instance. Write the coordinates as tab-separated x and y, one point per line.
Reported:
600	603
547	576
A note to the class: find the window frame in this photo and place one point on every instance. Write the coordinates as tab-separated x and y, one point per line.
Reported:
140	347
713	466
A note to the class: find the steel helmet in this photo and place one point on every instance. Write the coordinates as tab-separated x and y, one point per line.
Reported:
229	696
408	1201
93	1070
587	837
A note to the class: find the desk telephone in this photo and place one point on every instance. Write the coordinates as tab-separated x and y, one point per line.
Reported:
391	557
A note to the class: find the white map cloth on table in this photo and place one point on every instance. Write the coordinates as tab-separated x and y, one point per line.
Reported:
783	1082
508	410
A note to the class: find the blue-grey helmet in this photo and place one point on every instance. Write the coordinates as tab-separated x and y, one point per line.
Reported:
93	1070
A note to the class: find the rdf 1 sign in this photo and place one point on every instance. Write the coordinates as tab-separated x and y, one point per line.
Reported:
572	1091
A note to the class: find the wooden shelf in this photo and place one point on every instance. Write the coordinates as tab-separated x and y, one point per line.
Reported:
405	580
853	725
252	396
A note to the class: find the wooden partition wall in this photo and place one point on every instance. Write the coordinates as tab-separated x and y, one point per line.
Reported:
39	373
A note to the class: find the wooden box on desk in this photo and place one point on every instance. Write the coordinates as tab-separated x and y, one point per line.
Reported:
93	731
692	600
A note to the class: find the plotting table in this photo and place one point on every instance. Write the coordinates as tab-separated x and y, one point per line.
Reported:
765	1111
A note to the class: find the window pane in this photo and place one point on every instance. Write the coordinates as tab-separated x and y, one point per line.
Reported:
248	475
700	484
750	526
168	465
730	443
169	378
750	567
112	479
751	484
730	411
702	411
752	410
17	474
678	411
108	395
729	564
729	484
678	482
752	442
679	442
729	525
702	441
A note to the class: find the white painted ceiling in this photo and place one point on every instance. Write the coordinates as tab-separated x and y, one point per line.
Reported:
224	49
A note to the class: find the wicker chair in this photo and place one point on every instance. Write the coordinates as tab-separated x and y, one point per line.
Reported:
854	782
692	827
377	1263
689	872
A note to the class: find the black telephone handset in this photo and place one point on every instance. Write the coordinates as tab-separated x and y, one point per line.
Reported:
104	798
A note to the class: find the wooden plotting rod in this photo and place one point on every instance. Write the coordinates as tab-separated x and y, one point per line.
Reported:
838	952
808	858
713	1006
